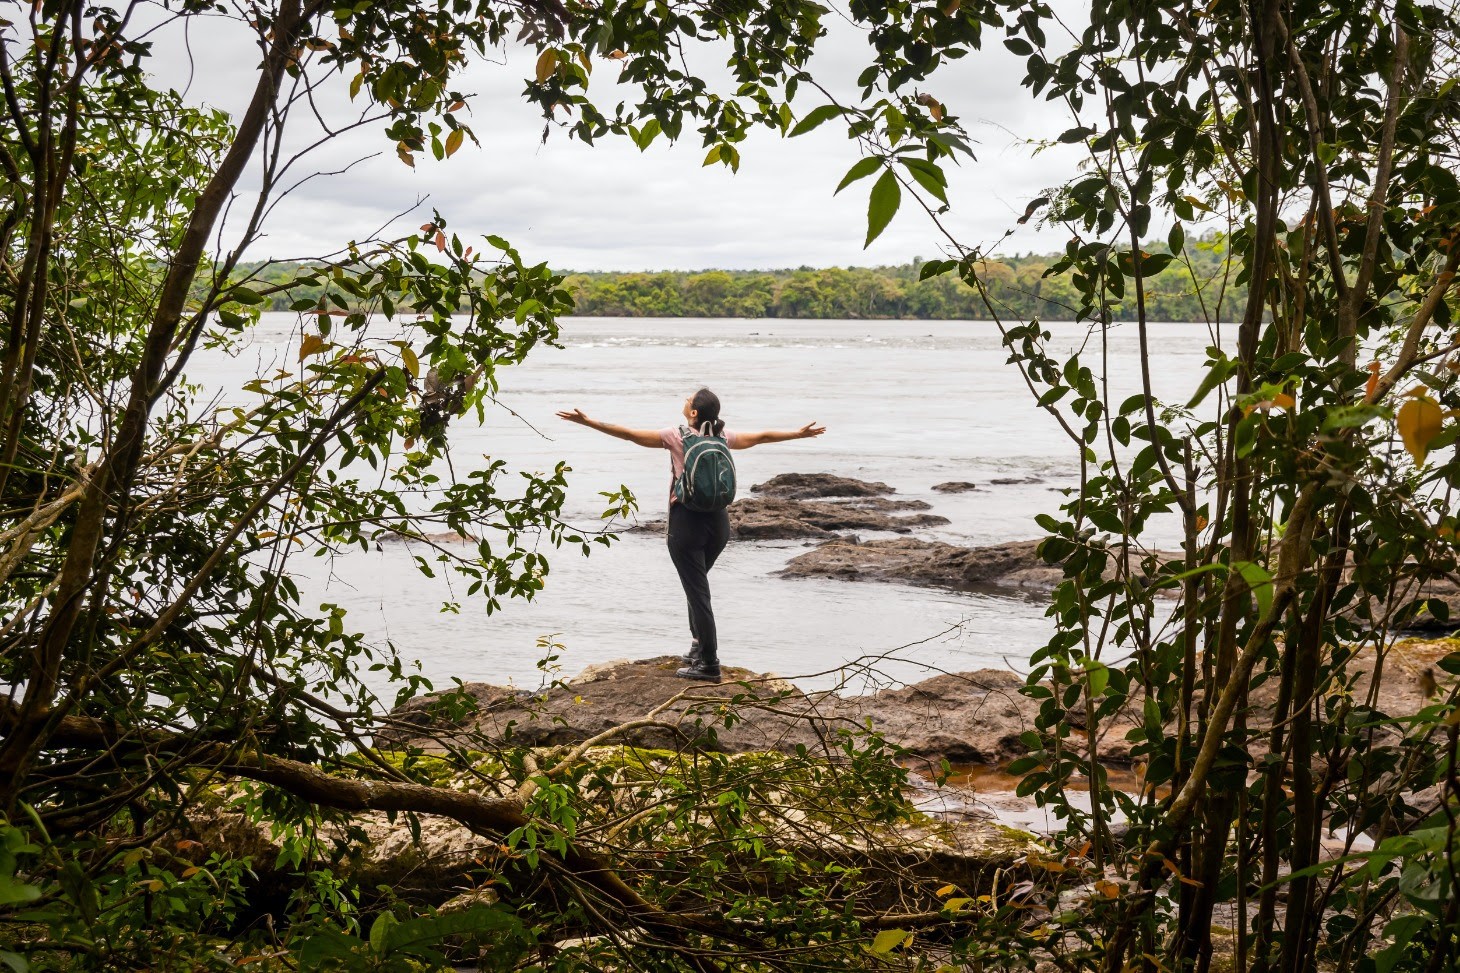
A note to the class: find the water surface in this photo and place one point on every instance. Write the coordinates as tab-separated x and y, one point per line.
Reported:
909	403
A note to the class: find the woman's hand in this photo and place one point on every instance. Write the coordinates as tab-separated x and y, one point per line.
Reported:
643	437
810	430
576	415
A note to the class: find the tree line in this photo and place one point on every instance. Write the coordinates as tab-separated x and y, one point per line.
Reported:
1017	287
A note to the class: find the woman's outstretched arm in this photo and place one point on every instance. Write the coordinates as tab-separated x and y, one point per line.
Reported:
644	437
745	440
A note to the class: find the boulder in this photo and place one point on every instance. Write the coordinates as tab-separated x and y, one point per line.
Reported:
954	486
1442	590
804	486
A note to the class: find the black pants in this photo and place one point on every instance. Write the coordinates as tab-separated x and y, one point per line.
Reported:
695	541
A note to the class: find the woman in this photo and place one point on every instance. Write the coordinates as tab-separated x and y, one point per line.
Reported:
695	539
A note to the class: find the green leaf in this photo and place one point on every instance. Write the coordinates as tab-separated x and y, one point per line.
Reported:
1099	677
14	891
860	170
245	296
14	961
816	117
889	939
882	205
326	945
1217	373
1259	580
929	176
380	931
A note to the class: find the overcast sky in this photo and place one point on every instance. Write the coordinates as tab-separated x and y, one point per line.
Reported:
610	207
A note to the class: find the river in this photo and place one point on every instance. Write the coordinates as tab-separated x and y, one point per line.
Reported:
910	403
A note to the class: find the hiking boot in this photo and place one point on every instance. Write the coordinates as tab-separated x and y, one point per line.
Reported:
692	657
699	671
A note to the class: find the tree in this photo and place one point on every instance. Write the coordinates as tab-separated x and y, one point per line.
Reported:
1318	139
156	653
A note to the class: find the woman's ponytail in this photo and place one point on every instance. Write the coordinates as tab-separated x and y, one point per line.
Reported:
706	405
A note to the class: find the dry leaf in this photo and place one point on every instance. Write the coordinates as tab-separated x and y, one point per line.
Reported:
547	63
933	105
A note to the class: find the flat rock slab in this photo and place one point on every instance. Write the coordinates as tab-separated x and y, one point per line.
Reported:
954	486
968	717
911	561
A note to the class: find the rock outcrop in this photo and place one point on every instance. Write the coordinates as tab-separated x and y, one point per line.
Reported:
1015	565
798	506
973	717
954	486
808	486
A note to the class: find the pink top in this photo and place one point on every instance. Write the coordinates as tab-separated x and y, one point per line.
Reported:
673	440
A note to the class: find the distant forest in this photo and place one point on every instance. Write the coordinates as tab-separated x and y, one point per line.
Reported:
1020	288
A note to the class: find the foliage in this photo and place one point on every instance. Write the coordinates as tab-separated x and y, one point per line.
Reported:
162	669
157	654
1319	140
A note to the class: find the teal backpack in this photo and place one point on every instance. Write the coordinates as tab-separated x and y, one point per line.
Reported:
708	480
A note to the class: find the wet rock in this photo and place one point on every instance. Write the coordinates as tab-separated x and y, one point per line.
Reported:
601	699
442	537
803	486
911	561
763	518
973	717
777	518
1016	480
955	486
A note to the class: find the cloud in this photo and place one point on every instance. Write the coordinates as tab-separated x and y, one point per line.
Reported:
611	207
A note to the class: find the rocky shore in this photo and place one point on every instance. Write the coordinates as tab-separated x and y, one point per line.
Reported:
973	717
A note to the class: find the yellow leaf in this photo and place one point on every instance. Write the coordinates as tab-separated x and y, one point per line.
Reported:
412	364
1419	424
889	939
714	155
312	344
547	63
946	890
453	142
583	60
617	55
1283	400
190	872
